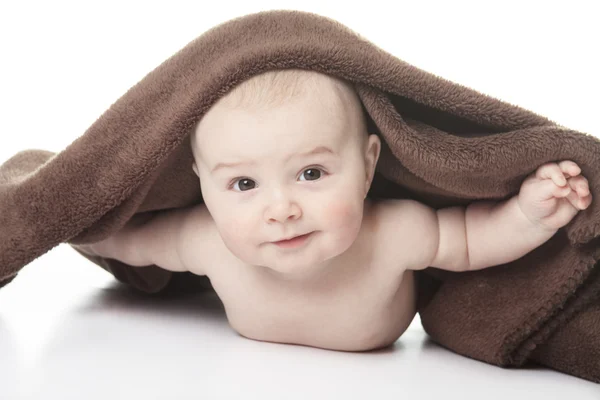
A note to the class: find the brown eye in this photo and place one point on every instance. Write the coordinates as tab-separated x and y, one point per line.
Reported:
244	183
312	174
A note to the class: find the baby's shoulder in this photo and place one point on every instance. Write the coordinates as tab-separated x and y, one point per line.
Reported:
404	230
199	242
389	212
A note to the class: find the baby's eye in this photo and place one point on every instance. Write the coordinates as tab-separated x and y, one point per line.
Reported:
312	173
245	183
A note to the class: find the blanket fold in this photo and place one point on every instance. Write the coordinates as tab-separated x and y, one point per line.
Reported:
442	144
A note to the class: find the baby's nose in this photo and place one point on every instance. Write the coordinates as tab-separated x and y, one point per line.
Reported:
283	211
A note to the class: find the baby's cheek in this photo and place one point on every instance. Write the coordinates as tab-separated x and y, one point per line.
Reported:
341	214
235	232
236	239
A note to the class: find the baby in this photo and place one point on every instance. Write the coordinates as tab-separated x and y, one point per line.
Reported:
291	243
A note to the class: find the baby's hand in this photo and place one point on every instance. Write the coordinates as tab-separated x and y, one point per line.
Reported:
554	194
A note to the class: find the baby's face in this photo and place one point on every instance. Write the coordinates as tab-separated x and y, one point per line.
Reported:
281	188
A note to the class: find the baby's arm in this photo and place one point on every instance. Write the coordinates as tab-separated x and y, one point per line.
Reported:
498	233
548	200
486	233
117	246
147	241
478	236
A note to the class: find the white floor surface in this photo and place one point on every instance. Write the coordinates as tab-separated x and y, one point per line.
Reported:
69	331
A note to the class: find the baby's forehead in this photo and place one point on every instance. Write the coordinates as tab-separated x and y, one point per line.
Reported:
228	128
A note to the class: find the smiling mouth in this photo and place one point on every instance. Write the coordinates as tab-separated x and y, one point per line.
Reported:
292	238
293	242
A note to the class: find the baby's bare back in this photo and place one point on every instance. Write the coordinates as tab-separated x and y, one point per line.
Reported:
368	305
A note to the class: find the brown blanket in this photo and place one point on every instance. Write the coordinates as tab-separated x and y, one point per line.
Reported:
443	144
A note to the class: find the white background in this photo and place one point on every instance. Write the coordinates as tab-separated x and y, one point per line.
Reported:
66	329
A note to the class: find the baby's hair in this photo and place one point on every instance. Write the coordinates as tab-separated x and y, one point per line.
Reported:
275	87
272	88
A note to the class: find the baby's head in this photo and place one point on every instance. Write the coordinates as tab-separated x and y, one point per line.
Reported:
270	124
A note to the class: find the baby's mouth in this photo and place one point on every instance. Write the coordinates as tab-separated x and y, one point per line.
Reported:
293	242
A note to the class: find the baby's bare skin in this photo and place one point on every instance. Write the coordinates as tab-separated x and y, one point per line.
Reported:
363	301
351	285
366	302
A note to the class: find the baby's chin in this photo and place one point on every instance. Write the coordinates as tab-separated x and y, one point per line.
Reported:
319	254
298	266
295	272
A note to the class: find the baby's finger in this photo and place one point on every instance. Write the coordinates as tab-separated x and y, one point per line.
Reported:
563	191
580	185
574	199
580	203
545	190
569	168
586	201
552	171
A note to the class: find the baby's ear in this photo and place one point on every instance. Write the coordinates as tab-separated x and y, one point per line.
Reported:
371	157
195	168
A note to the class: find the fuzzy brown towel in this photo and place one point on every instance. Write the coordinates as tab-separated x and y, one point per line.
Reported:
443	144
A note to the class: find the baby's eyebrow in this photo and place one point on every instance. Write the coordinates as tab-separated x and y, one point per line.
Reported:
316	150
